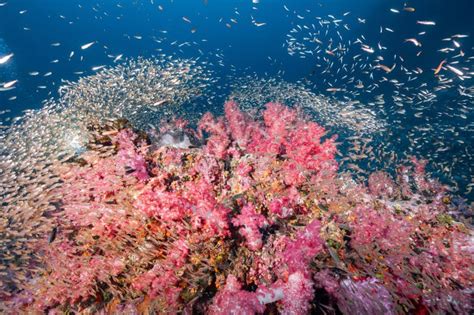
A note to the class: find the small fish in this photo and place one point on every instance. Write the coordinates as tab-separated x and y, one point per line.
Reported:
414	41
52	235
187	20
160	102
409	9
2	89
367	49
455	70
333	89
460	36
88	45
440	66
426	23
5	59
9	84
118	58
259	24
394	11
385	68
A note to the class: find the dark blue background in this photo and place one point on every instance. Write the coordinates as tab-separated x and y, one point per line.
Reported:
244	45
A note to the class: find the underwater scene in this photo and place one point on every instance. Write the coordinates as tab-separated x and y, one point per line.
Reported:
237	157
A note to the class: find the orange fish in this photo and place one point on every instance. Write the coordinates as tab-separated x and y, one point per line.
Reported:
440	66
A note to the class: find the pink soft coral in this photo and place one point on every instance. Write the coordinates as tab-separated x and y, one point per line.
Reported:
298	294
233	300
218	140
381	184
367	296
299	252
208	215
381	228
151	228
239	124
162	205
250	222
162	280
129	156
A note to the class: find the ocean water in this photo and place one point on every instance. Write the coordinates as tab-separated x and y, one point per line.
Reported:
392	79
30	35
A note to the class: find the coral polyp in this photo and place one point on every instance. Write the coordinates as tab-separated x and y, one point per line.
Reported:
258	218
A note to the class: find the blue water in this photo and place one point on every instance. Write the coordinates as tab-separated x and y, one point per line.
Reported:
243	46
242	49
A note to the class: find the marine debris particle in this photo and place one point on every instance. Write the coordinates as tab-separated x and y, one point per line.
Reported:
258	217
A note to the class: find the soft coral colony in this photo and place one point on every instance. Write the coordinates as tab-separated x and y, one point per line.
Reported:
257	219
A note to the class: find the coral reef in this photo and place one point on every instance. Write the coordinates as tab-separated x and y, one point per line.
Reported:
257	219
